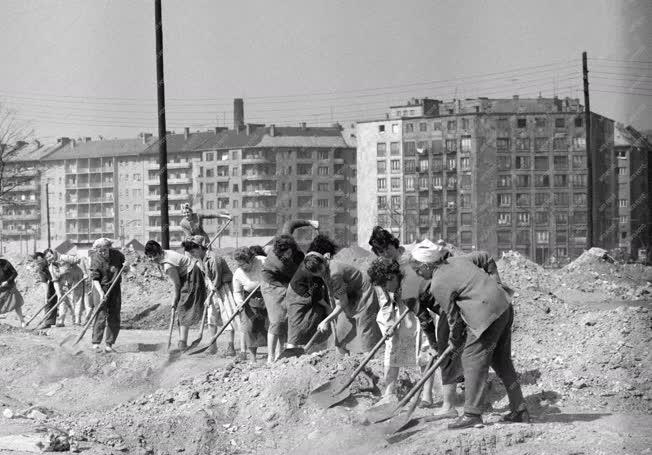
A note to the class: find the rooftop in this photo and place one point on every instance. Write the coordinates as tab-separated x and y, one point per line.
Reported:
99	149
32	151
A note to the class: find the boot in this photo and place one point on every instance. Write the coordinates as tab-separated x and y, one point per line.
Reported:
182	345
230	350
465	421
519	412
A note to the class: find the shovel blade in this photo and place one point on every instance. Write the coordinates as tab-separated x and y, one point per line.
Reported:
398	423
381	412
291	352
326	395
193	345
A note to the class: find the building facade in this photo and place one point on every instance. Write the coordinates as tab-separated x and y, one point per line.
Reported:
493	174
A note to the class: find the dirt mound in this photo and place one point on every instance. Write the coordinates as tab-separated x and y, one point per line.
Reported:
596	272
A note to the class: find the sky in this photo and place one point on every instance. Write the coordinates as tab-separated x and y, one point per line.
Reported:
86	68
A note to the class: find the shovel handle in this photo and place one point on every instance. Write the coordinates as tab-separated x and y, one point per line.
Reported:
47	315
311	341
373	352
417	387
96	310
219	233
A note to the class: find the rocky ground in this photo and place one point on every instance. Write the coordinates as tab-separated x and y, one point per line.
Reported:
581	344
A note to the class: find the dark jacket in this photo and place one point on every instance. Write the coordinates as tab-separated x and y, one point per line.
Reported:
104	270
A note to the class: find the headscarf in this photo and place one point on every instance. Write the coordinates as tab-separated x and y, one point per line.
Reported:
427	252
101	243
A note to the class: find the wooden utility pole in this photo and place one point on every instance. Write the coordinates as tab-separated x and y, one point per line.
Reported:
589	155
47	212
162	133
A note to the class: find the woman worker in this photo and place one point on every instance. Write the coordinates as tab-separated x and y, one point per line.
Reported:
193	223
356	303
189	284
10	298
253	318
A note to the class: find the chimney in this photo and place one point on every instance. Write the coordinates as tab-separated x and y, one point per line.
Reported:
145	137
248	129
272	130
186	133
515	97
63	140
87	139
238	114
219	129
302	125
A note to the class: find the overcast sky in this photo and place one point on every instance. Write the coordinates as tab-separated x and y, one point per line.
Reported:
87	68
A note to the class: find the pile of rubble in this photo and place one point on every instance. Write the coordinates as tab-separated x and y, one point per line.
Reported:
596	272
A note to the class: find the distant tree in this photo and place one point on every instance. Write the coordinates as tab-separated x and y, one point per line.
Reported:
13	134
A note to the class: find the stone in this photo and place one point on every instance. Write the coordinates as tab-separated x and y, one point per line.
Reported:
8	413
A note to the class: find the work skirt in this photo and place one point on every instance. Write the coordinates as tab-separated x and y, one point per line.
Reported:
304	316
190	307
254	321
10	299
359	332
274	297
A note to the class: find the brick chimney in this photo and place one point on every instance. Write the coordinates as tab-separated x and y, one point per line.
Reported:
63	140
248	129
238	114
186	133
303	126
272	130
145	137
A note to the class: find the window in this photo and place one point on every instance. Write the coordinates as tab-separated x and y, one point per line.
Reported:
521	123
424	165
503	123
465	164
543	237
466	144
409	148
381	128
522	162
465	181
561	180
323	186
578	122
560	163
322	154
578	180
423	126
394	148
466	219
451	164
523	237
540	122
437	164
561	199
409	183
541	163
579	162
382	184
451	125
579	199
579	218
561	218
382	202
504	237
502	144
504	181
623	219
541	218
542	180
210	205
396	202
322	170
137	177
466	237
451	182
523	218
381	167
322	203
522	181
523	144
622	171
523	199
561	251
210	172
235	203
504	200
304	169
210	188
504	219
560	122
396	183
437	182
559	144
409	127
540	144
504	163
411	202
561	236
381	149
465	123
622	203
209	156
579	143
436	126
451	145
235	188
394	128
409	166
423	184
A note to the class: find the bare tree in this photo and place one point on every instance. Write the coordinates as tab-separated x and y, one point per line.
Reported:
13	134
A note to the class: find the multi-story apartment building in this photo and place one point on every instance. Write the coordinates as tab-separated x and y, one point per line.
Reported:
20	219
96	189
494	174
632	151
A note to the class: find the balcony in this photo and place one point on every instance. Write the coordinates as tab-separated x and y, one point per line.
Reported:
32	187
255	159
24	217
186	165
258	193
171	181
259	176
177	197
258	209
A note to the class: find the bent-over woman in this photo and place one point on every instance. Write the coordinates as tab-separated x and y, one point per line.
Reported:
10	298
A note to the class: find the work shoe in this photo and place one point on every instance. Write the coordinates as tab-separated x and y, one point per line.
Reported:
44	326
60	324
465	421
520	416
230	350
96	348
182	345
109	348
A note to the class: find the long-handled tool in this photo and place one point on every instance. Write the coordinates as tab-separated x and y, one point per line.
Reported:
334	392
386	412
219	233
226	324
173	314
51	310
298	351
203	321
97	309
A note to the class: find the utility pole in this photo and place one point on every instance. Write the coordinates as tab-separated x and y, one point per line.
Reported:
162	133
47	212
589	157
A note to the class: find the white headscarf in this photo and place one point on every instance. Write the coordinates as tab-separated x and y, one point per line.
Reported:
427	252
100	243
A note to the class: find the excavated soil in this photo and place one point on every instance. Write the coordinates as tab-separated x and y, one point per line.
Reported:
582	350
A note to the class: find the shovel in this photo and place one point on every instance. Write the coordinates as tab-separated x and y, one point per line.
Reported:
219	233
203	322
96	310
386	412
299	351
47	315
226	324
332	393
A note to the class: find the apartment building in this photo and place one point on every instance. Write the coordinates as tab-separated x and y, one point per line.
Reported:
20	220
96	189
632	152
493	174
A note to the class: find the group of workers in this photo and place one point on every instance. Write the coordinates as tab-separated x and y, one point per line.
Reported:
287	299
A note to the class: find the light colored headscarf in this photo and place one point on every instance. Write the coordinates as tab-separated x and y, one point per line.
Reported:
102	243
427	252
